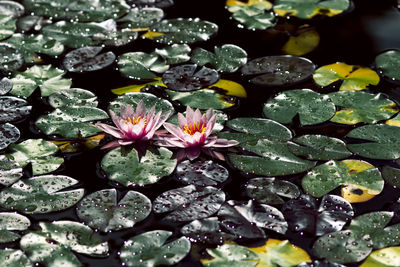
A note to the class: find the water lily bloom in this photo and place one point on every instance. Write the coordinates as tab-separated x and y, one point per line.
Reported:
133	126
194	134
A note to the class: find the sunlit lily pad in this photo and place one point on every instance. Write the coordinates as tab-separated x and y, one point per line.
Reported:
354	77
49	79
41	194
360	180
307	9
302	42
7	26
11	8
126	168
80	144
5	86
55	243
151	249
254	17
73	97
189	203
32	23
37	152
8	134
362	107
278	70
312	107
10	221
227	58
88	59
11	171
14	258
174	54
231	255
387	257
303	214
181	30
10	58
201	173
100	209
388	64
271	190
141	18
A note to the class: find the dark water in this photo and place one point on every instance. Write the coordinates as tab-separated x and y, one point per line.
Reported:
354	38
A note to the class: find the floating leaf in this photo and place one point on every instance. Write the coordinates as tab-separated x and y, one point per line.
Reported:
8	134
88	59
32	23
5	86
11	8
360	180
319	147
174	54
139	65
201	173
7	26
186	78
100	210
55	243
10	221
254	14
231	255
71	122
156	3
309	8
141	18
388	65
14	258
41	194
391	175
13	108
312	107
354	77
38	153
49	79
271	190
189	203
387	257
127	169
10	58
150	249
77	145
181	30
323	263
227	58
278	70
73	97
302	42
11	171
331	215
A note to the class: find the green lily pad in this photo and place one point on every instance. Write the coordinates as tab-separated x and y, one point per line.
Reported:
383	141
13	109
319	147
141	18
387	257
37	152
272	159
7	26
55	243
100	210
10	58
11	171
307	9
150	249
10	221
31	45
127	169
227	58
41	194
254	18
174	54
362	107
181	31
155	3
32	23
140	66
73	97
71	122
49	79
14	258
11	8
8	134
312	107
388	65
87	59
231	255
359	178
391	175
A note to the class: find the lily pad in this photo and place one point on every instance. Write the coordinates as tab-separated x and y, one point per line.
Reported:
8	134
14	258
307	9
362	107
11	171
32	23
13	108
227	58
386	257
49	79
151	249
186	78
174	54
319	147
10	221
37	152
11	8
73	97
271	190
388	65
391	175
100	210
304	214
140	66
278	70
41	194
360	180
10	58
254	17
5	86
7	26
141	18
71	122
231	255
354	77
55	243
201	173
189	203
88	59
303	41
80	144
127	169
156	3
181	31
322	263
312	107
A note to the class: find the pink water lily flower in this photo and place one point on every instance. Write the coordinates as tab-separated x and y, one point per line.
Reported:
133	126
194	134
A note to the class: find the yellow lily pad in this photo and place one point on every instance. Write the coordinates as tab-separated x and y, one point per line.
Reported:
232	3
387	257
71	146
303	42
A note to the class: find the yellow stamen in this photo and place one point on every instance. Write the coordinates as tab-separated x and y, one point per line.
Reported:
193	128
135	121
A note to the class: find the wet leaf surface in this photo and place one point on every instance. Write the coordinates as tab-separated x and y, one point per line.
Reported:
12	222
14	258
5	86
201	173
13	108
388	65
10	58
310	8
8	134
11	171
88	59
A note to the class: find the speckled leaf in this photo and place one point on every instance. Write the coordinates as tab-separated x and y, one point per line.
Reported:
100	210
174	54
73	97
127	169
201	173
11	8
5	86
151	249
231	255
140	65
87	59
7	26
8	134
388	65
14	258
13	108
312	107
307	9
141	18
11	171
320	263
41	194
387	257
10	221
11	59
391	175
254	18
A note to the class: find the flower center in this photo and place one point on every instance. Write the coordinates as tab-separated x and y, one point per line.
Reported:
135	121
193	128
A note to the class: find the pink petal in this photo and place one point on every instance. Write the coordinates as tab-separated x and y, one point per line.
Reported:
111	144
180	155
127	111
140	109
197	116
193	152
116	120
169	142
209	114
210	125
125	142
182	120
175	130
110	130
189	115
210	141
162	119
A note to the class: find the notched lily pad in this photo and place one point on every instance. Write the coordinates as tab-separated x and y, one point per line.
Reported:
254	15
308	9
201	173
73	97
8	134
10	221
87	59
11	171
388	65
174	54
